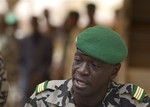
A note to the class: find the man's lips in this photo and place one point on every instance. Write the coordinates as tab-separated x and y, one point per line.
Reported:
80	83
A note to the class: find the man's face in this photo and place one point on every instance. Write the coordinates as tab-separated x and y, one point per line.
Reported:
90	76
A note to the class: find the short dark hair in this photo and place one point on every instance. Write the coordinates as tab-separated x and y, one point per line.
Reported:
91	7
74	14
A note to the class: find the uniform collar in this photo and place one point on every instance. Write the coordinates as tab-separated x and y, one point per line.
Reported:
112	96
62	95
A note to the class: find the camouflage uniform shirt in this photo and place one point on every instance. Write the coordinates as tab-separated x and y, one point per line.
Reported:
58	93
3	83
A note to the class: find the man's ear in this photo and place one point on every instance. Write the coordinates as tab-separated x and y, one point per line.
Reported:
115	70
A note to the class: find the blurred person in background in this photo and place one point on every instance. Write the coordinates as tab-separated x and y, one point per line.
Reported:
91	9
9	50
35	59
63	44
47	29
9	47
3	82
73	19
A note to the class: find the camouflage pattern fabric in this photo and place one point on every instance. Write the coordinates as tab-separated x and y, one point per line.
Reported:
3	83
58	93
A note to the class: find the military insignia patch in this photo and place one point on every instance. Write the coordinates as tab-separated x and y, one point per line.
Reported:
41	87
138	93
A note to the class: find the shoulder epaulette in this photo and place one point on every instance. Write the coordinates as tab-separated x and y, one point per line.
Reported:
138	93
41	87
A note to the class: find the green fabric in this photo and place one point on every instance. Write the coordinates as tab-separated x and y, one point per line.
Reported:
134	90
41	87
45	85
10	19
143	96
102	44
36	89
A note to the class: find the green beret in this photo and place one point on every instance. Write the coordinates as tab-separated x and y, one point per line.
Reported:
102	44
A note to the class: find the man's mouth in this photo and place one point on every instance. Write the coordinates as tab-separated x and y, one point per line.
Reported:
79	83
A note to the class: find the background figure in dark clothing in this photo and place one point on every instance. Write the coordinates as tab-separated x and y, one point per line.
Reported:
64	37
48	29
91	8
35	59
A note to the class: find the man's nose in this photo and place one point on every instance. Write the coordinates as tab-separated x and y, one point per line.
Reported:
83	69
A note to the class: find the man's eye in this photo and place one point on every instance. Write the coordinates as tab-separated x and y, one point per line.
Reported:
95	65
77	59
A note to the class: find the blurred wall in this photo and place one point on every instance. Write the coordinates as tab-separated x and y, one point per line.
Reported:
138	36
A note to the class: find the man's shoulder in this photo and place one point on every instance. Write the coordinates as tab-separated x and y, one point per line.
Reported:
50	92
47	88
52	85
133	93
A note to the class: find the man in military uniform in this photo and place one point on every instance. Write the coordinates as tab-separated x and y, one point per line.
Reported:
3	83
97	61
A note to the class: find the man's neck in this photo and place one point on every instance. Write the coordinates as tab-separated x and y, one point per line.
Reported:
91	101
